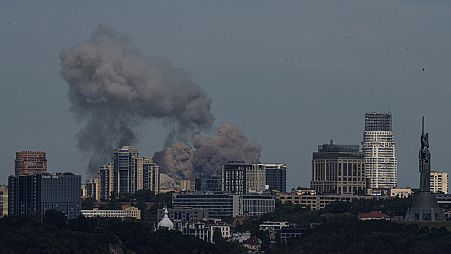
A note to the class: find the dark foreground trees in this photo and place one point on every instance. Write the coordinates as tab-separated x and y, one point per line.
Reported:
25	235
348	235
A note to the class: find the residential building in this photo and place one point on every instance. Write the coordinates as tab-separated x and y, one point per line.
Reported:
30	163
91	189
33	195
338	169
128	212
106	181
239	177
205	229
276	176
125	169
373	215
439	182
381	164
187	185
151	176
127	173
3	200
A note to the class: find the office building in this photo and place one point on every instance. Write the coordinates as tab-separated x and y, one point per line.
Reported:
183	214
439	182
276	176
338	169
212	184
222	204
253	204
380	151
239	177
33	195
30	163
218	205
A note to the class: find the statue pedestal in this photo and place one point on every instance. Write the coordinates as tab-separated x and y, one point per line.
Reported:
425	208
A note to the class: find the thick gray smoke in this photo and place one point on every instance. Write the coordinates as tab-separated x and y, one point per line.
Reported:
112	88
208	154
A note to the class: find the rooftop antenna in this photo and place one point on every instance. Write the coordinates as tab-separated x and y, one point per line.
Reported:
422	125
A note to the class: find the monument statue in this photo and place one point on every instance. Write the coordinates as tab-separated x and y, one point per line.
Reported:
424	205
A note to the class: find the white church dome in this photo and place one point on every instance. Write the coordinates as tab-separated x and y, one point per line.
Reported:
166	222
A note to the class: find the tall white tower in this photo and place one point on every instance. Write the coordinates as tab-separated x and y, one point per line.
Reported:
381	165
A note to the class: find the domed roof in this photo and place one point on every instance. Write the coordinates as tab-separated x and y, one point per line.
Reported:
166	222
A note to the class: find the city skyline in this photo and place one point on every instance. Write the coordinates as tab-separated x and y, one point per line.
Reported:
317	75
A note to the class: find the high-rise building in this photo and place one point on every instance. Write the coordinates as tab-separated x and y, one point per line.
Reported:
379	148
151	176
33	195
30	163
276	176
127	173
3	200
106	181
239	177
125	169
439	182
338	169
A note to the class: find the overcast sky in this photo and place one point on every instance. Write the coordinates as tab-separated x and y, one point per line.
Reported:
291	74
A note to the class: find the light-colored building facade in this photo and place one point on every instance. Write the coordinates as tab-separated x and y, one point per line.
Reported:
3	201
127	173
314	202
400	192
439	182
239	177
381	164
338	169
129	212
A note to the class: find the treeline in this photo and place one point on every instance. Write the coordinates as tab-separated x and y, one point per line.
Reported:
345	234
55	235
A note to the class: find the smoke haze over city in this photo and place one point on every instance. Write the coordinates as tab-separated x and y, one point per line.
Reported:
290	75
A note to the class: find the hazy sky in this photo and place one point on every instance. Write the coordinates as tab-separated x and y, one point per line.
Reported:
291	74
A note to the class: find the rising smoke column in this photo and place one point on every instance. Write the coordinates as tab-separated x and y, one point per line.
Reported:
208	154
113	88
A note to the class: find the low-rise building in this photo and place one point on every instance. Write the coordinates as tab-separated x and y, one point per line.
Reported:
184	214
222	204
373	215
129	212
206	229
315	202
400	192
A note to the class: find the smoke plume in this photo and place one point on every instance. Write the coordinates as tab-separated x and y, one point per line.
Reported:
113	88
208	154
